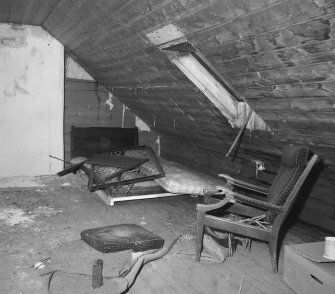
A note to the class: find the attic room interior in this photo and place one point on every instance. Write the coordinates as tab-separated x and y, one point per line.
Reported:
167	146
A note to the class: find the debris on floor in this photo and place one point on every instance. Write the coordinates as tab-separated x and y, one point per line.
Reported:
13	216
78	280
51	243
212	251
14	182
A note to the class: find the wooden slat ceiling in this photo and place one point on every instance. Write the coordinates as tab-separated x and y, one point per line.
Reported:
278	54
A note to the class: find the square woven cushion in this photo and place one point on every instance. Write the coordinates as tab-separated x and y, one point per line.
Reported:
121	237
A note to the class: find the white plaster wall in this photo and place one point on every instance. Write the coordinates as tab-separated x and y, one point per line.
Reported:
31	101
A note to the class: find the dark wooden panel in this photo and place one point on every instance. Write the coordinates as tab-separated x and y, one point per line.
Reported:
89	141
85	107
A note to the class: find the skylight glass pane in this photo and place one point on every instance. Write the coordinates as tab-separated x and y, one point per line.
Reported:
207	84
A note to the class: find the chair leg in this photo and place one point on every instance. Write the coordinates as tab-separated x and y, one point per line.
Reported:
273	244
200	233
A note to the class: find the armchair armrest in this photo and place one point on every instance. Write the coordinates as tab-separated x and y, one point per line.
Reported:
245	185
210	207
258	203
232	197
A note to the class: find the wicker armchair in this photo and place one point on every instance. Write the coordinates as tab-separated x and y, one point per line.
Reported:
257	219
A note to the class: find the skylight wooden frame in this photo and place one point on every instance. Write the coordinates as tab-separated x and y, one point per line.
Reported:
192	64
211	83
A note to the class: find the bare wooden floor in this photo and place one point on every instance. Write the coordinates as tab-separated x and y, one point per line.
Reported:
36	221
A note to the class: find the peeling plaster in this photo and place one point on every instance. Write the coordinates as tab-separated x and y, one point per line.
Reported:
33	51
19	89
13	89
17	27
16	37
24	76
31	91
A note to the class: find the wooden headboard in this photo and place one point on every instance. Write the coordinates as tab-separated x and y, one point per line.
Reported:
89	141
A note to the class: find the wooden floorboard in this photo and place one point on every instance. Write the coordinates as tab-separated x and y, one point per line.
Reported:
53	216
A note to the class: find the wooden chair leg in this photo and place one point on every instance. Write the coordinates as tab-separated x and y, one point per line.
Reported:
273	246
200	233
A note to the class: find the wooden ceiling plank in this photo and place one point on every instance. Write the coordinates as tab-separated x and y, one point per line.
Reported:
168	14
30	10
104	11
295	104
311	58
44	10
293	35
309	54
303	128
155	59
320	117
317	72
132	32
58	18
82	22
16	11
313	89
213	11
95	18
122	52
64	15
276	16
5	8
141	15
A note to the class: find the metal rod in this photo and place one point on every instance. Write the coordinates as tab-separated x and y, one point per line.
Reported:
239	134
60	159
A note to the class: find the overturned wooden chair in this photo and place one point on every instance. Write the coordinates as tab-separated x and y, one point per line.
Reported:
257	219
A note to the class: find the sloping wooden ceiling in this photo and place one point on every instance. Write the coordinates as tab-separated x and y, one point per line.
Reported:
278	54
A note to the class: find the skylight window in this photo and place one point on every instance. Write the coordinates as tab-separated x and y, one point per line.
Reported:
172	41
209	81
